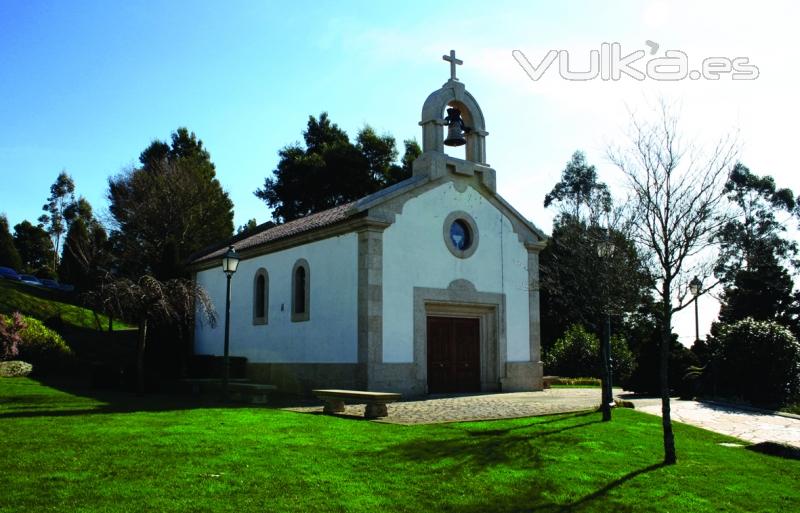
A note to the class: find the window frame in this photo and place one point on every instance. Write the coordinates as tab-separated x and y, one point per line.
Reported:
257	319
306	314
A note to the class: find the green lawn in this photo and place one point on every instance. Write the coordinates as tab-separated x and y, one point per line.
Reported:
69	452
44	304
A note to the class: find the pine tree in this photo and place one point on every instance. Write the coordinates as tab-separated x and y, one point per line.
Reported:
9	256
168	208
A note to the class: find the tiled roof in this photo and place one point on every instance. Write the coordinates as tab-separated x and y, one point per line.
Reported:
270	234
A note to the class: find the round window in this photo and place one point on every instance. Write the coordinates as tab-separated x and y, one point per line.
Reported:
460	235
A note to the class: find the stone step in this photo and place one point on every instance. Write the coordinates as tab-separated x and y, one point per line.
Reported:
253	393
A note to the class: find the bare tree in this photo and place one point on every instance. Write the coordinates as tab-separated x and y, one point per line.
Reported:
677	192
149	300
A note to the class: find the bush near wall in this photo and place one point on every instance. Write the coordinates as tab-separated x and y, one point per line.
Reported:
758	361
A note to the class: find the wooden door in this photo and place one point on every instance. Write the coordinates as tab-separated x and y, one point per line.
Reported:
453	355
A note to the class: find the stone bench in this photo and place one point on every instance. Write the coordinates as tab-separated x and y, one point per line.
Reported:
376	401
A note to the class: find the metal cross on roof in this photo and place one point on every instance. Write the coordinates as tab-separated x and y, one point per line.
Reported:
453	62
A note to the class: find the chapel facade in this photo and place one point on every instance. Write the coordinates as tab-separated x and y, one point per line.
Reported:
428	286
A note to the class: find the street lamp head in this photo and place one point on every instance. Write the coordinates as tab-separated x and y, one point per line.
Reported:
230	261
695	286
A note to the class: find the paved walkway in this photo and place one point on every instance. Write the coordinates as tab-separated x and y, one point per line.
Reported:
481	407
749	426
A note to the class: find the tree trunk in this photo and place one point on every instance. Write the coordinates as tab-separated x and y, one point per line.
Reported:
97	320
606	392
666	420
110	323
55	253
140	356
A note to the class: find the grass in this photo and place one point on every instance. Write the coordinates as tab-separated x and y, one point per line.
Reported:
68	451
45	304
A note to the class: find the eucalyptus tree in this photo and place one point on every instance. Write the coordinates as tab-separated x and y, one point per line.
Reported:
62	195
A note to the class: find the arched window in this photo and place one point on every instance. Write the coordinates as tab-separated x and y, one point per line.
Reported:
260	297
301	278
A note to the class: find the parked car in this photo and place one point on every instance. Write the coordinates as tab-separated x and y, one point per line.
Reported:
9	274
30	280
50	284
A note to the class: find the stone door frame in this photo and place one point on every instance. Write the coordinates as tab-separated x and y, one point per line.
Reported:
460	299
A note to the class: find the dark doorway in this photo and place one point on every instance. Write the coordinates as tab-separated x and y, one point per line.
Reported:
453	355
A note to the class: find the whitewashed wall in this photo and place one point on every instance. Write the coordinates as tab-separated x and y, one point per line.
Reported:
329	336
415	255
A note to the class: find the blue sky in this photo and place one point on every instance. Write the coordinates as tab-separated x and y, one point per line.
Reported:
85	86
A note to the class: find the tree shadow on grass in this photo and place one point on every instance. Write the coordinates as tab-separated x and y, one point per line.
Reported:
776	449
85	400
602	492
525	447
588	500
480	449
559	417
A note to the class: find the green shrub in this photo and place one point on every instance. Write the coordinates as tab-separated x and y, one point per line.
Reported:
758	361
574	354
577	353
623	361
574	382
43	347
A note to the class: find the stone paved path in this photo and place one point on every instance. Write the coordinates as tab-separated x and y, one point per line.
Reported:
749	426
481	406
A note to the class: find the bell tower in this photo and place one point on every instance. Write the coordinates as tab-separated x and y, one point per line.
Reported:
452	117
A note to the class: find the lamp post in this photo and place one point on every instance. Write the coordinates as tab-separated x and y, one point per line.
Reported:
229	264
695	286
605	249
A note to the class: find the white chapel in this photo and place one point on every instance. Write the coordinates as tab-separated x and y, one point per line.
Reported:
428	286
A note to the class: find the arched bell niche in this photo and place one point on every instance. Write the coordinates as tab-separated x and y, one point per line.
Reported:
453	94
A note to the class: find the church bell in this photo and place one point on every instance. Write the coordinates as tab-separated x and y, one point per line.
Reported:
455	136
455	128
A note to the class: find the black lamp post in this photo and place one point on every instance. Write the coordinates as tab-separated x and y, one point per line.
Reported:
695	286
229	264
605	249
